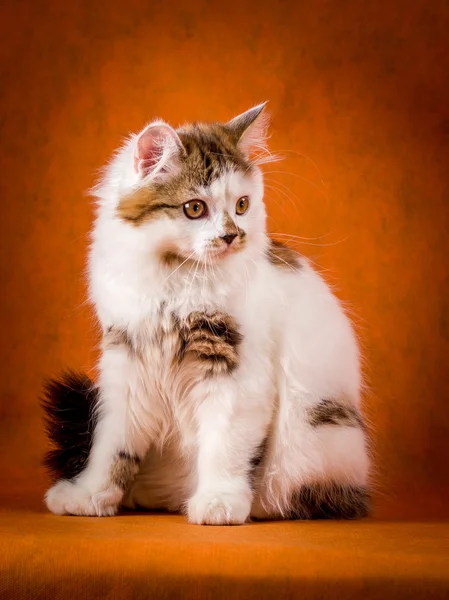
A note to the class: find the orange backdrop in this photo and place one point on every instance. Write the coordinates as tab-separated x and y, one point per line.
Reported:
359	97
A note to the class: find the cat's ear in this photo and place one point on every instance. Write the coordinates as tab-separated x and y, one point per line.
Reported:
250	129
157	150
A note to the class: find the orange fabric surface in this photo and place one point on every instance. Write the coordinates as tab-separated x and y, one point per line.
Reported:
161	556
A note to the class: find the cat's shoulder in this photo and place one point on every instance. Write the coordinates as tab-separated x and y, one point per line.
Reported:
282	257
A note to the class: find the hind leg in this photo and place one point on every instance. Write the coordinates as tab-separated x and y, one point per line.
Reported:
121	439
316	464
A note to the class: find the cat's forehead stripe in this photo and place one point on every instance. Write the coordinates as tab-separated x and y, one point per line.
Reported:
210	151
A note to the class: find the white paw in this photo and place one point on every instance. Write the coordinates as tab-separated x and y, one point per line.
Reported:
215	508
70	498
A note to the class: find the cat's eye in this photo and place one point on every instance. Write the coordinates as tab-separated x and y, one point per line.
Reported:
242	205
195	209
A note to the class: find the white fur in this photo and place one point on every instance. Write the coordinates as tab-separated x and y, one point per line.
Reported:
197	436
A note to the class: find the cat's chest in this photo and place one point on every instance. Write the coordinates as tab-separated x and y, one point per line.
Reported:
170	330
175	351
172	333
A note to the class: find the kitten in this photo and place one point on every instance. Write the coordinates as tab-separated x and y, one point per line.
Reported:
229	379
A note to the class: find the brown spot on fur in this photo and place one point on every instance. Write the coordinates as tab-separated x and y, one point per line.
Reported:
172	259
145	203
118	336
212	340
330	501
229	227
282	256
257	460
332	412
124	469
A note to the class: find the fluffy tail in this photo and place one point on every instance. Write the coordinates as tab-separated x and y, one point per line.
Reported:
69	404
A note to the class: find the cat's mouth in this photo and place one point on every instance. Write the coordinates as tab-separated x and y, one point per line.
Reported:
221	248
222	252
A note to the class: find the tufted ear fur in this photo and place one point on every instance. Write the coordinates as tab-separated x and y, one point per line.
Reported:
157	150
250	129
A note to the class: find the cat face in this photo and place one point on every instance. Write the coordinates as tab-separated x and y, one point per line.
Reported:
199	194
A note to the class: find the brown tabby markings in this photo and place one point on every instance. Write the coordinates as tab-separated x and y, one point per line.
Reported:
330	501
332	412
118	336
229	227
282	256
257	460
172	259
124	469
211	150
146	203
213	340
208	151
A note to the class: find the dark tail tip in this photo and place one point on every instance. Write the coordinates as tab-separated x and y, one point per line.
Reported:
69	404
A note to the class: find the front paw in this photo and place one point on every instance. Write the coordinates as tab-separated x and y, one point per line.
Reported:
71	498
219	508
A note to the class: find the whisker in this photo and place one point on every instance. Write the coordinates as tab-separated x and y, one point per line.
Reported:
195	272
288	264
194	267
179	266
214	276
298	236
312	183
270	186
305	243
274	182
309	160
279	204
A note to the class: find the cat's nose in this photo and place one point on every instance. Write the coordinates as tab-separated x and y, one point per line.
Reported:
228	238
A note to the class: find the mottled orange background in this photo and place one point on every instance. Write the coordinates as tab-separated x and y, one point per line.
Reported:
359	96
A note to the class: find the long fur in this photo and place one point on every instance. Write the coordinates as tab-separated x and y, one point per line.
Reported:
229	379
69	404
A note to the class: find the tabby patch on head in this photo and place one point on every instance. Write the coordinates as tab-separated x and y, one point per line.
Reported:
207	153
175	164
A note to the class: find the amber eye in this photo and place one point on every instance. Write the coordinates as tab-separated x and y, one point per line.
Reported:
195	209
242	205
